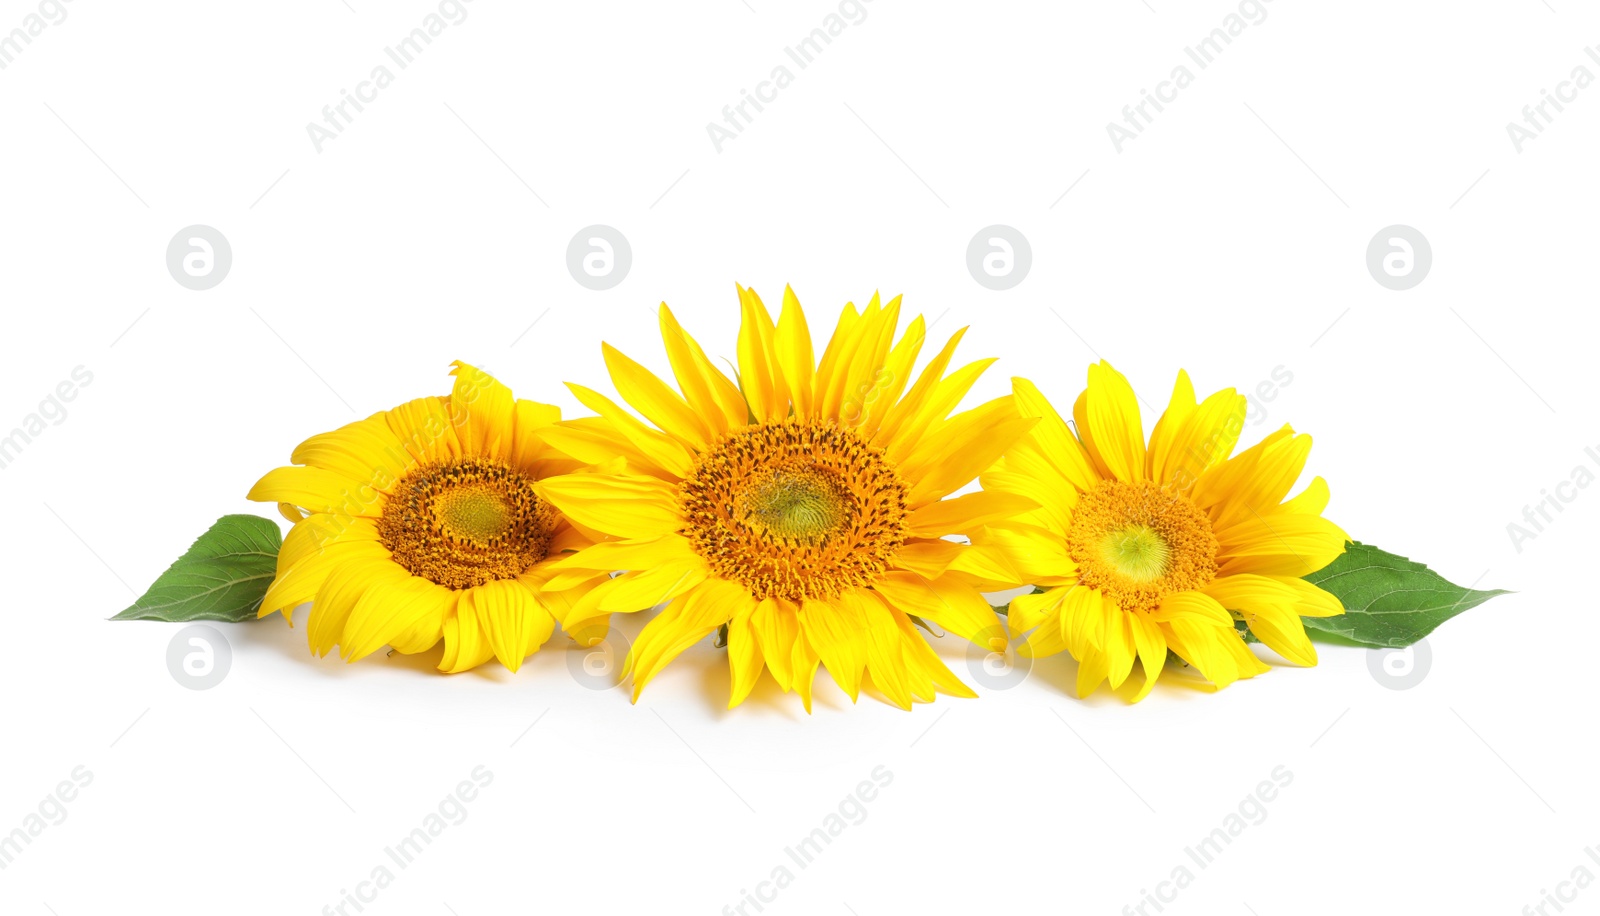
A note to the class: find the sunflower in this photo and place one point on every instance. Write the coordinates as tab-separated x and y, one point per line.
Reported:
798	509
423	523
1139	550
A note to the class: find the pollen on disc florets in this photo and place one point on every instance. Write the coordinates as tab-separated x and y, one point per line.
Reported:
466	522
795	510
1138	543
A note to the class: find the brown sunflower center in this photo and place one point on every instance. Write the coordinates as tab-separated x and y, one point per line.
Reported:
1137	543
466	522
795	510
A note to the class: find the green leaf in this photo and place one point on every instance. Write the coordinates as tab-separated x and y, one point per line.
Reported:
223	576
1389	601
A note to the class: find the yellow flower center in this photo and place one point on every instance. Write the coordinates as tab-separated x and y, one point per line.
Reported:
795	510
793	503
466	522
1137	543
1136	552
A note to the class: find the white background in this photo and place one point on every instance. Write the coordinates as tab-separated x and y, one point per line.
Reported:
1229	239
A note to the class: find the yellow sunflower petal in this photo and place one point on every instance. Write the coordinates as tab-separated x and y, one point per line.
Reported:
466	642
1273	477
689	619
319	491
759	375
911	405
561	578
984	566
658	403
964	513
1039	556
885	662
625	506
1217	652
427	429
1151	644
1204	439
1055	439
512	619
617	434
345	585
1092	671
1179	408
310	551
949	602
835	629
927	558
744	656
1309	600
864	375
1121	647
834	373
366	451
528	449
388	610
481	409
1219	484
1279	544
1044	641
1025	471
890	383
925	671
775	623
647	588
422	635
1113	412
1310	501
804	661
793	350
968	450
935	408
1083	622
1273	607
617	556
1034	610
1197	606
711	393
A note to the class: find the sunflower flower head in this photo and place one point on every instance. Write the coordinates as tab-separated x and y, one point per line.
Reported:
423	523
1140	548
799	506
